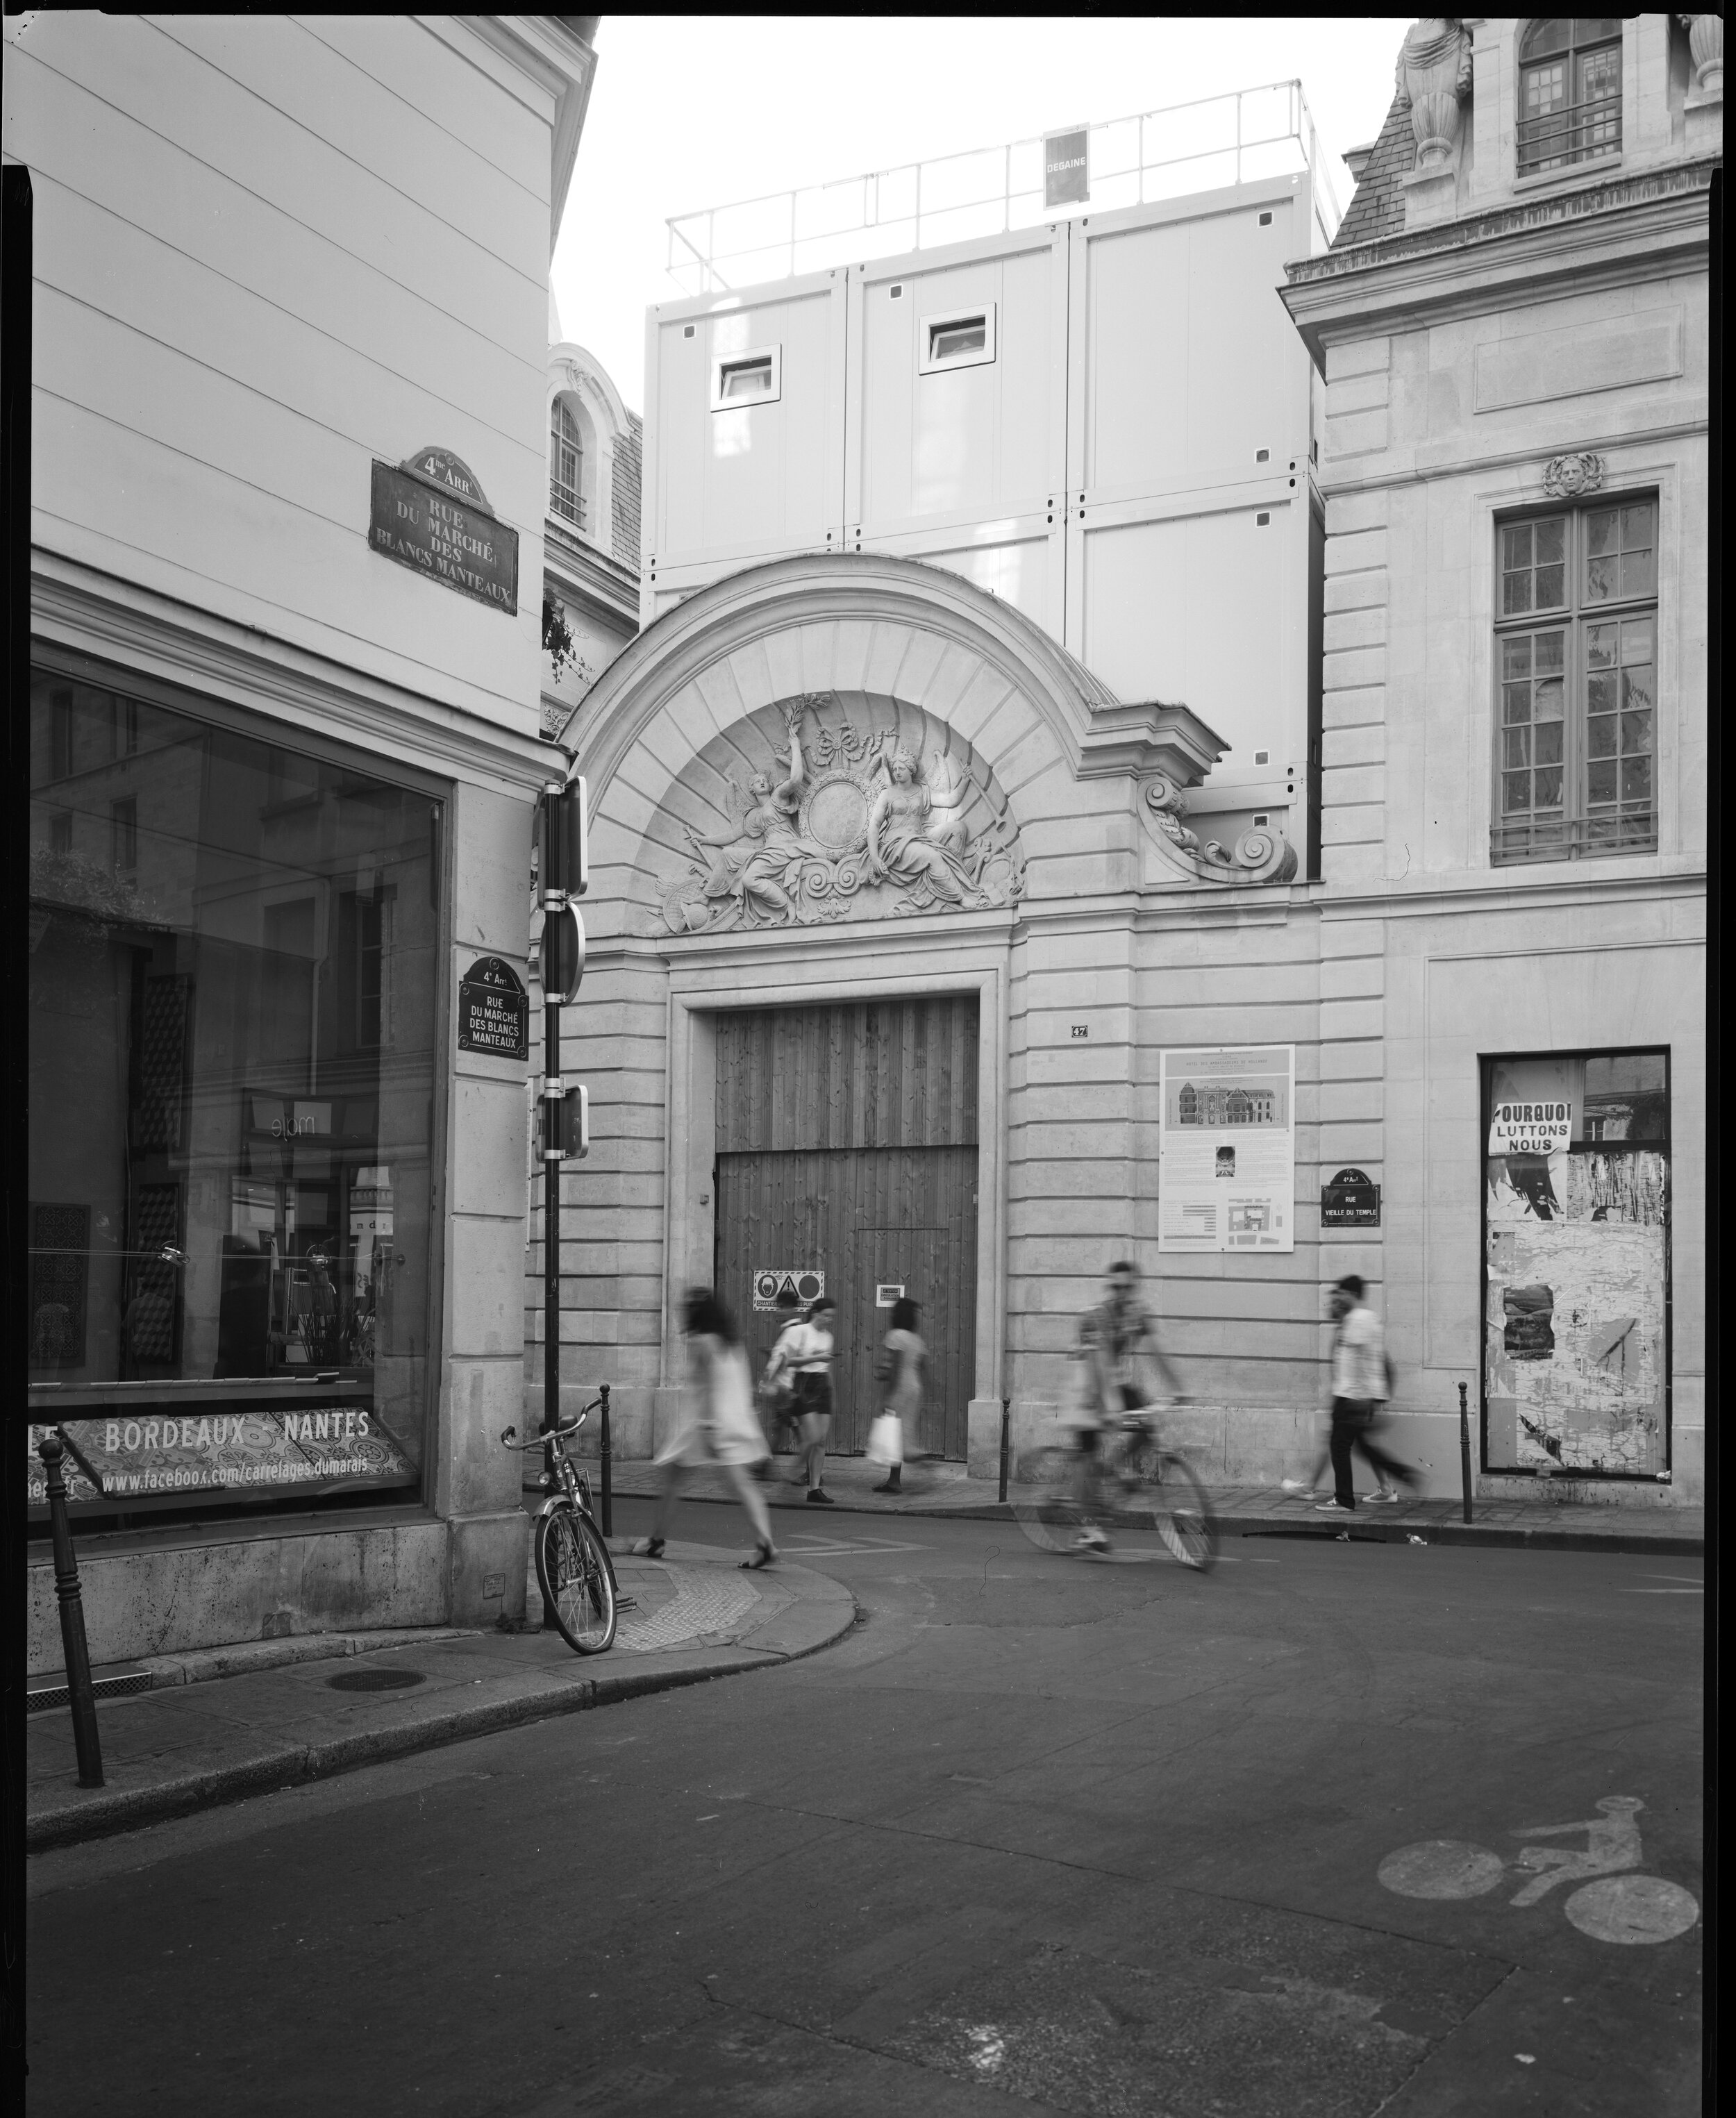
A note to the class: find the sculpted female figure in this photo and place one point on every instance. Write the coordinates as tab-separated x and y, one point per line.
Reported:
748	861
915	835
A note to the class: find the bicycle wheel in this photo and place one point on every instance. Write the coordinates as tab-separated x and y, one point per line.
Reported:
572	1568
1042	1499
1184	1519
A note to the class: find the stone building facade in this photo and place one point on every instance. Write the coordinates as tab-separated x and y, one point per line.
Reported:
1071	684
1512	327
289	430
591	535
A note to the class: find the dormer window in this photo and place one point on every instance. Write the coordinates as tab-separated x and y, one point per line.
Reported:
1570	92
565	460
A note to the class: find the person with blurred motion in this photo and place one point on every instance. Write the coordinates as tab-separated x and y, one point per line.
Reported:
718	1429
900	1373
1114	1339
1359	1390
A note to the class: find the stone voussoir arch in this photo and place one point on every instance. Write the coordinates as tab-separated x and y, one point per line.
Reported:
882	623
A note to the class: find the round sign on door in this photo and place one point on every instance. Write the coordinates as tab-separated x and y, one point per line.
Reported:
786	1287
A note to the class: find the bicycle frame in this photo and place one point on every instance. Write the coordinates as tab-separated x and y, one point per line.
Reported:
573	1487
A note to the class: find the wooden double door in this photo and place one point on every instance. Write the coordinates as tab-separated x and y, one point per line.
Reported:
847	1147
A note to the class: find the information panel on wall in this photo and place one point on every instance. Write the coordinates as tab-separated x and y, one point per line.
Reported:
1227	1148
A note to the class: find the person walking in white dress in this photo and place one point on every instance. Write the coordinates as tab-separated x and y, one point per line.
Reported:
901	1372
718	1429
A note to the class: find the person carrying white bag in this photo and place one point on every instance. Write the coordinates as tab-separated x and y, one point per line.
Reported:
900	1371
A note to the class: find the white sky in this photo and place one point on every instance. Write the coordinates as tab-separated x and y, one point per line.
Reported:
697	110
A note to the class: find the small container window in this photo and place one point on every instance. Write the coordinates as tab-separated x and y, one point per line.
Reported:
753	377
957	338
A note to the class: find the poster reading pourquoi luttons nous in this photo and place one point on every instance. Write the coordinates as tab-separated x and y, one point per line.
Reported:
1227	1149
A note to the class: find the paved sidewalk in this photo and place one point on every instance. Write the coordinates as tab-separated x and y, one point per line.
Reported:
192	1740
943	1489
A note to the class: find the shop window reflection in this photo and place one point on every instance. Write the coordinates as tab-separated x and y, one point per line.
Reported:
232	964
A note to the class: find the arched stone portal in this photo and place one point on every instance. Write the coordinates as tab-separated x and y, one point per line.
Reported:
838	780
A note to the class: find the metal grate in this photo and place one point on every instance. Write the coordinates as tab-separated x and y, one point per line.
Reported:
40	1699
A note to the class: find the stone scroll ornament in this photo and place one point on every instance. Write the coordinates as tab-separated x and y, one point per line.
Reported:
852	821
1262	854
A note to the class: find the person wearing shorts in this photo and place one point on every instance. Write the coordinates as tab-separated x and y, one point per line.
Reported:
1115	1339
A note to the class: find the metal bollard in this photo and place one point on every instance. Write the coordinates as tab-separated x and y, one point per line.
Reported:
1465	1445
1006	1442
52	1448
609	1497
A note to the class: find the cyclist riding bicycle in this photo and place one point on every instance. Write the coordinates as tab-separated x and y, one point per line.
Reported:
1115	1339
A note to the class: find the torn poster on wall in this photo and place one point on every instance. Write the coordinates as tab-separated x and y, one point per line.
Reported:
1577	1276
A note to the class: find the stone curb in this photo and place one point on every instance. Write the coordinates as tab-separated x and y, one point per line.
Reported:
1666	1543
833	1610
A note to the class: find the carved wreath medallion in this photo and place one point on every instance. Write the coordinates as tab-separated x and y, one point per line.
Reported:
870	812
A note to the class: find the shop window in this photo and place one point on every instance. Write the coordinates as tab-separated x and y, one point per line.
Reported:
232	1079
1576	1264
755	377
1576	669
566	463
961	338
1570	92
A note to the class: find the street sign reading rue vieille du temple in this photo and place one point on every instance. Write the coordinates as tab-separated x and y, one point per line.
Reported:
429	514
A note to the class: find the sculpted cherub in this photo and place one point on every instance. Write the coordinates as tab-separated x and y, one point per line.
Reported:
751	860
916	834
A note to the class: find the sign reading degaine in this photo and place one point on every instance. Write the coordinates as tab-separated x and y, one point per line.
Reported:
1067	173
434	532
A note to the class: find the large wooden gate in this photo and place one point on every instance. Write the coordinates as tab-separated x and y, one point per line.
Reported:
847	1144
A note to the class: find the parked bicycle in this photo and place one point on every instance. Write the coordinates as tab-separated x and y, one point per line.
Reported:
572	1563
1147	1494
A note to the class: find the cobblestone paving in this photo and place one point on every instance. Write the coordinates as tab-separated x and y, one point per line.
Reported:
704	1602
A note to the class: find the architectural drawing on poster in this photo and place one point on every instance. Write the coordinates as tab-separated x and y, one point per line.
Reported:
1227	1149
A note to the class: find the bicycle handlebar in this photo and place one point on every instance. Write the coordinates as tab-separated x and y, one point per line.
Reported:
554	1433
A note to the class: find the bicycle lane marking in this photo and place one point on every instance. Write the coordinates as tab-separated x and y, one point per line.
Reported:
1619	1907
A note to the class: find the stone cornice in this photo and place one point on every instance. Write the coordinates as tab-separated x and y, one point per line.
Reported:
592	575
75	606
1653	220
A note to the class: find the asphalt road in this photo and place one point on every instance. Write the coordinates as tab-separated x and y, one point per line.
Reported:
1042	1834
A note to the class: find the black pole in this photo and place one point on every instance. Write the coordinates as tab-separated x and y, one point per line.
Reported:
609	1497
51	1449
1006	1441
1465	1445
551	1246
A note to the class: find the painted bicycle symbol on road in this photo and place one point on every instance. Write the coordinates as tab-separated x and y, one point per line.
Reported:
1612	1903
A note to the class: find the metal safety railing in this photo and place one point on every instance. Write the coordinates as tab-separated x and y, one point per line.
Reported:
1573	133
1189	147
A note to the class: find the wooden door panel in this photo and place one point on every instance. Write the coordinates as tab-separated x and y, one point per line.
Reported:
862	1216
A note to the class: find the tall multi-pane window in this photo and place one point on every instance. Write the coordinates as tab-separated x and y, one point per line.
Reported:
1570	92
1577	670
565	457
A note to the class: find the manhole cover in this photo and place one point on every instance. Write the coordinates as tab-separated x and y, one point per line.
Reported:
375	1679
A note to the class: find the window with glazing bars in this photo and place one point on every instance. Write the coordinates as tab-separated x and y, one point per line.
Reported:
1570	92
1577	673
564	460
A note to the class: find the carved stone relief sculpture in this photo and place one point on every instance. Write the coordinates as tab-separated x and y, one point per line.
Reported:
866	809
1433	79
1262	854
1565	478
